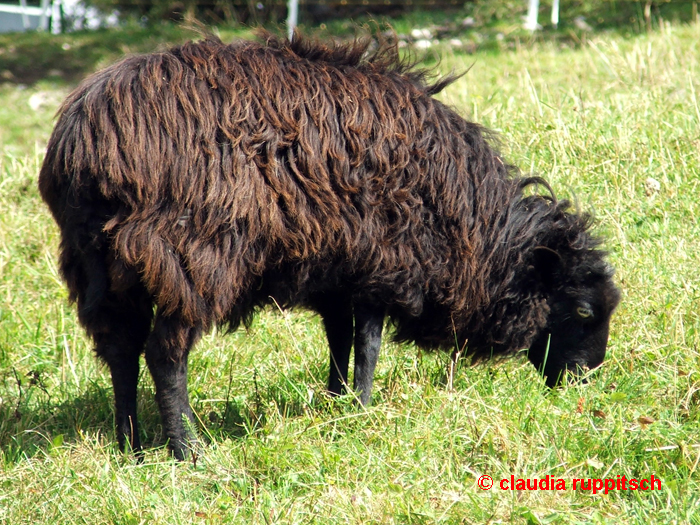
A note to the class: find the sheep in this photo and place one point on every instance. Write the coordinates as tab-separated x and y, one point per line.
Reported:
194	186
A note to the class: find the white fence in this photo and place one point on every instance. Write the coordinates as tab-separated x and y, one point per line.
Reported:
532	12
21	17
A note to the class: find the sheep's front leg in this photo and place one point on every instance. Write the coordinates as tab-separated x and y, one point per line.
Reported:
369	321
166	354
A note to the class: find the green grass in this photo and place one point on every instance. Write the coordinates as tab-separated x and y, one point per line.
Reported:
599	121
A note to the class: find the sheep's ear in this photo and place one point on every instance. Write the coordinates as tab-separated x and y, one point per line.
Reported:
547	262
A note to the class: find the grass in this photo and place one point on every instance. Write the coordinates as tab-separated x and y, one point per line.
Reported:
613	123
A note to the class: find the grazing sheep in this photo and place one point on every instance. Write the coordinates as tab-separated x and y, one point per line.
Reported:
210	180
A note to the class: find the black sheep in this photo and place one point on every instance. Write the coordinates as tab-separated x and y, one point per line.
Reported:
212	179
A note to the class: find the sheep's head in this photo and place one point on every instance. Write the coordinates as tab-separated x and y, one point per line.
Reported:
581	298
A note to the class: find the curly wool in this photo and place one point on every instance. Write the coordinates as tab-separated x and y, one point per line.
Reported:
222	176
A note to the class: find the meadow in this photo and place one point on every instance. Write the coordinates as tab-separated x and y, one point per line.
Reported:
613	123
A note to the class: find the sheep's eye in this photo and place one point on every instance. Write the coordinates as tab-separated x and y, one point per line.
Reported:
584	312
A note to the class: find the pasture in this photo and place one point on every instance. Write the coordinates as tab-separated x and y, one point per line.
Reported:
613	123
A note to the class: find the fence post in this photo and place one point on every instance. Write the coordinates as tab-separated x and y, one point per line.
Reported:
56	26
292	14
25	17
532	9
43	18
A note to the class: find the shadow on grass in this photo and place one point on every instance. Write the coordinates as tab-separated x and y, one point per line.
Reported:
36	420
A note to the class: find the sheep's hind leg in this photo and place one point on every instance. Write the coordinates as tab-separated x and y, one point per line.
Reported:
119	326
369	321
166	354
336	312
